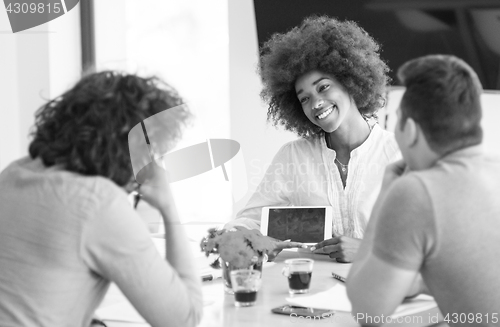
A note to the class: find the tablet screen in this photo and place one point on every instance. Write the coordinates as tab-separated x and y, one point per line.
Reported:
305	225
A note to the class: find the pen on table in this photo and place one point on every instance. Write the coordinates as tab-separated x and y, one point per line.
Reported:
209	277
338	277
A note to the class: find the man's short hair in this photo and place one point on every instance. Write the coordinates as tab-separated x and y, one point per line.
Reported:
443	96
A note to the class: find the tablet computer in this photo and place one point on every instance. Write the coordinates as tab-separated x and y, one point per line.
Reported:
306	224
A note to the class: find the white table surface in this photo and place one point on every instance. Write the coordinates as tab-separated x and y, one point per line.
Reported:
219	309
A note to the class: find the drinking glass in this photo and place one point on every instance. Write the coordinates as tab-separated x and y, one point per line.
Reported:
245	284
299	273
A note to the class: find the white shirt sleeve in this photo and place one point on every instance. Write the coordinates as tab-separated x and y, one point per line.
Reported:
116	245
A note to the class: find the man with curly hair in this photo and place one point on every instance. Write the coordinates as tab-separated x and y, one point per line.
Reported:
324	80
67	228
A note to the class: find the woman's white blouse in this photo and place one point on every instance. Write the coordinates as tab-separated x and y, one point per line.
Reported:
303	173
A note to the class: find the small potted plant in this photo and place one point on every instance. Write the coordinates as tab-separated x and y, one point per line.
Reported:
237	248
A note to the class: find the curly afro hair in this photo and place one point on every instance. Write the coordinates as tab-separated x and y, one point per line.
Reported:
340	48
85	130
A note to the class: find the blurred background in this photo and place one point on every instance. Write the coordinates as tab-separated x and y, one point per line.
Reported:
208	51
406	29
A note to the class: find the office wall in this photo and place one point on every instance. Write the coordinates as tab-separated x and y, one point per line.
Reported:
259	140
35	65
200	76
184	42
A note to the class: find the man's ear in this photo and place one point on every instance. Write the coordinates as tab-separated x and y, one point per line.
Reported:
410	132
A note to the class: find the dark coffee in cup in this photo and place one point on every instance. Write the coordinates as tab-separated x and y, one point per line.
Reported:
299	280
299	273
245	296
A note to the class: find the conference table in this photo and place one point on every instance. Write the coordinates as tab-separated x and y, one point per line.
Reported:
219	309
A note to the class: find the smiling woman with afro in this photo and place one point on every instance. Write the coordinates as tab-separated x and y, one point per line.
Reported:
324	81
342	49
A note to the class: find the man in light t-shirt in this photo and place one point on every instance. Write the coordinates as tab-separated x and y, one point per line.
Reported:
436	228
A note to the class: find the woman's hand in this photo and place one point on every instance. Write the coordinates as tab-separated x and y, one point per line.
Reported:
280	245
156	188
340	247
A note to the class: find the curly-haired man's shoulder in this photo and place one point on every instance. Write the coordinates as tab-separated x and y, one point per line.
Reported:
89	191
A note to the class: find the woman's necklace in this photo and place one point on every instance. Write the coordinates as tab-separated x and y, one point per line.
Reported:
343	167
